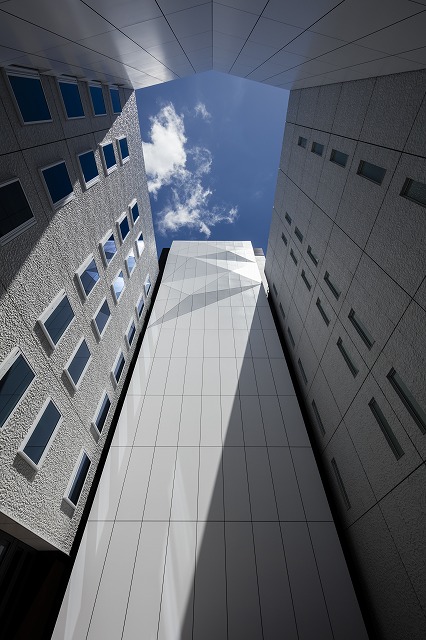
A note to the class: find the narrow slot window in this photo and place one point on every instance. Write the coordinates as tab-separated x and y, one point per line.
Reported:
58	184
29	97
386	429
282	311
147	284
306	281
78	363
287	217
284	239
302	371
298	234
115	99
71	99
290	335
123	149
16	376
275	289
101	318
317	148
318	417
340	483
118	367
293	257
56	319
312	256
88	168
87	276
108	248
134	211
322	312
108	157
352	368
338	157
360	329
123	227
139	306
408	400
78	479
140	244
334	290
302	142
97	98
414	191
118	286
371	171
102	413
35	446
130	263
130	333
15	212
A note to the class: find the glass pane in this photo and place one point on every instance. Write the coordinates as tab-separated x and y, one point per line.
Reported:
14	208
317	148
131	333
88	166
89	277
42	433
103	412
109	155
372	172
119	367
135	212
72	100
30	97
98	102
58	182
131	263
147	285
79	479
102	317
13	385
415	191
58	321
110	249
124	227
119	285
115	100
141	304
81	358
124	149
339	158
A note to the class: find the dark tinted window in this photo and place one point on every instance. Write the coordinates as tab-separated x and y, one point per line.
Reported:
78	363
371	171
89	277
79	479
58	321
115	100
317	148
124	227
302	142
88	166
141	304
58	182
131	333
30	97
135	212
109	155
72	101
103	412
13	385
110	249
14	208
124	149
338	157
102	317
42	433
415	191
119	367
98	102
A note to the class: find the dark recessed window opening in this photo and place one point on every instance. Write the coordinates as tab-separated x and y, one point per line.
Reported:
293	257
71	99
110	163
58	184
346	357
29	95
287	217
290	335
88	276
386	429
312	256
58	320
275	289
15	212
371	172
318	418
317	148
322	312
79	479
102	413
361	329
102	318
340	483
115	100
135	212
124	228
302	142
88	167
302	371
118	369
140	305
305	280
414	191
284	239
338	157
78	364
16	376
282	311
109	249
124	149
298	234
407	398
131	332
334	290
41	435
98	102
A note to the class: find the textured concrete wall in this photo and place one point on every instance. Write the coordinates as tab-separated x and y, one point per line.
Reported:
371	242
34	268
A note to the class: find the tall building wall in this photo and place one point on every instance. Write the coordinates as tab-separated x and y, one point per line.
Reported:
36	265
346	267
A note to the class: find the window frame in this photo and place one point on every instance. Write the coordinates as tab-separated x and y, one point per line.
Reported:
81	269
37	466
139	300
94	180
29	73
130	272
48	312
131	205
113	168
102	250
119	221
5	365
148	282
11	235
73	477
97	411
117	300
63	201
128	343
140	252
99	334
63	80
98	85
76	385
116	382
127	158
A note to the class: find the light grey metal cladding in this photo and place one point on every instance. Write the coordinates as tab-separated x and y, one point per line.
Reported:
36	265
357	337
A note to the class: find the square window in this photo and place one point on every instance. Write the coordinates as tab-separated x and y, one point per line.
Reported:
77	364
77	480
115	99
130	333
29	97
338	157
302	142
97	98
16	376
118	367
317	148
147	285
130	263
87	276
118	286
88	168
71	99
139	306
15	212
371	171
140	244
58	184
56	319
123	149
35	446
134	211
414	191
108	248
101	413
123	227
108	157
101	319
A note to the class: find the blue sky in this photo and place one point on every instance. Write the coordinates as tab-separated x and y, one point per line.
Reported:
212	144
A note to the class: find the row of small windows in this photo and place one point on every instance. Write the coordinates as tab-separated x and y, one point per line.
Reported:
30	99
412	189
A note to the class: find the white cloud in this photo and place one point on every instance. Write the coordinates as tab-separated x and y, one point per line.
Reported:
171	162
201	110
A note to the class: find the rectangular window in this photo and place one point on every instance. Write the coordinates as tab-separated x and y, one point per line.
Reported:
108	248
414	191
108	157
346	357
293	257
87	276
78	478
371	172
16	376
130	263
15	212
89	170
302	371
360	329
77	364
318	417
139	306
97	98
134	211
334	290
386	429
274	288
115	99
340	483
140	244
118	286
123	227
101	413
317	148
29	97
408	400
130	333
284	239
302	142
290	335
56	319
35	446
338	157
282	311
58	184
147	285
123	149
312	256
305	280
71	99
101	318
298	234
322	312
287	217
118	367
